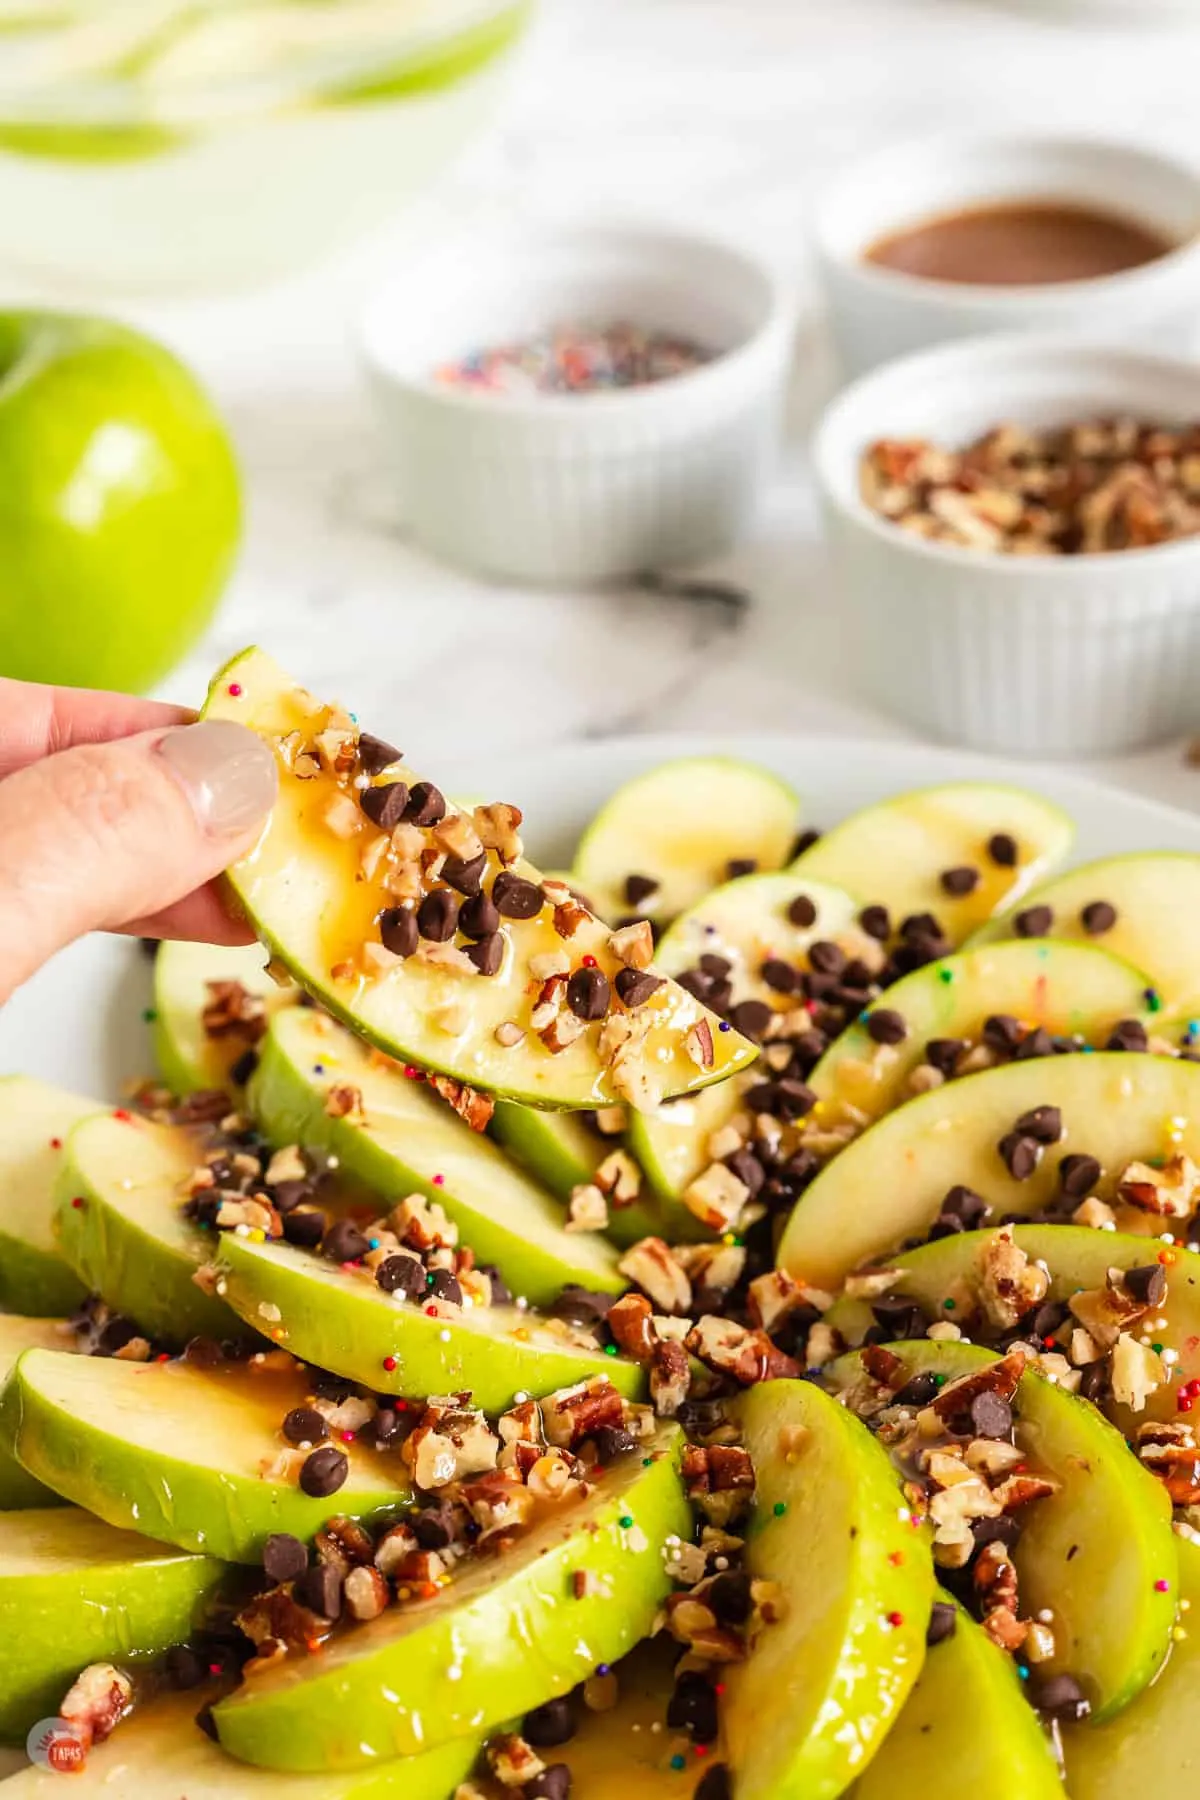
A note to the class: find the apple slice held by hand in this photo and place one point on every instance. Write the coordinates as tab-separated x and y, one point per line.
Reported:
425	929
35	1121
580	1587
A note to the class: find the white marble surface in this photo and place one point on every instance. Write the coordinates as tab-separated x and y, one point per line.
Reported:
724	113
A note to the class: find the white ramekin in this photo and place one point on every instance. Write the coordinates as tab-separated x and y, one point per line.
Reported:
1050	655
589	487
880	313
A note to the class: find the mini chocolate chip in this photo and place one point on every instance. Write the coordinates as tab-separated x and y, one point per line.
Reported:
900	1318
737	866
434	1527
320	1588
305	1227
1045	1319
639	888
1094	1383
401	1275
304	1425
919	1391
549	1725
611	1441
960	881
184	1667
793	1099
501	1292
635	986
782	977
398	930
330	1387
717	967
944	1226
804	841
516	897
991	1416
1003	1530
385	1427
1044	1123
1035	1043
323	1473
1001	1032
437	916
206	1723
588	994
714	1784
876	921
761	1097
964	1203
920	925
1035	921
1098	916
374	755
488	954
442	1285
426	805
746	1166
478	917
1021	1155
284	1557
1003	850
1059	1696
554	1783
943	1623
582	1306
1147	1283
241	1071
385	805
693	1707
1128	1034
808	1048
344	1242
943	1054
729	1597
750	1017
887	1026
826	958
802	912
465	877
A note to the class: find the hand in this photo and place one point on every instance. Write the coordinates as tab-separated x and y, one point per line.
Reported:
117	815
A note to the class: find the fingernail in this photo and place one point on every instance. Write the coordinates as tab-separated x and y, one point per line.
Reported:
226	771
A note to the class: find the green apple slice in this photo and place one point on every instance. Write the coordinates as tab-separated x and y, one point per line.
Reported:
339	1321
160	1753
680	825
895	853
1156	895
74	1591
18	1489
35	1120
309	896
121	1226
1100	1548
503	1637
179	1452
1066	989
561	1150
811	1705
188	1057
886	1187
410	1141
1153	1743
967	1714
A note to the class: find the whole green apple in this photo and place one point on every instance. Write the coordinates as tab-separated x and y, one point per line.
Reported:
120	507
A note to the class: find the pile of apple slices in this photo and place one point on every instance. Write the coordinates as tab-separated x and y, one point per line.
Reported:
800	1408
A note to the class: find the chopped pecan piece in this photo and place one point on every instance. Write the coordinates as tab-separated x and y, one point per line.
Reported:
514	1762
343	1543
394	1548
699	1044
470	1105
670	1376
1007	1281
633	944
1105	1312
713	1269
629	1320
587	1209
1000	1377
1172	1192
342	1101
995	1580
421	1224
619	1178
574	1413
233	1011
653	1266
1136	1371
716	1197
96	1702
729	1349
498	826
277	1616
774	1297
883	1366
1170	1451
366	1592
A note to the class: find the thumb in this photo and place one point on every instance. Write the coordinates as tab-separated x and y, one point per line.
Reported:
103	834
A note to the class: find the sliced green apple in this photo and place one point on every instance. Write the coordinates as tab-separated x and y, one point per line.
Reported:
18	1488
1068	990
334	1318
815	1699
1100	1548
35	1120
895	853
503	1637
316	900
160	1753
74	1591
886	1188
185	975
1155	894
1152	1744
404	1139
680	825
121	1227
183	1454
561	1150
967	1715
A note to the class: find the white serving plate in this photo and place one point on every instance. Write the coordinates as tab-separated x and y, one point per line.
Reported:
79	1022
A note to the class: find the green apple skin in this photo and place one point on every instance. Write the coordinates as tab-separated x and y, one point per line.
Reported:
1095	1550
502	1638
408	1137
35	1120
1067	989
967	1714
187	1058
887	1186
302	890
895	852
1154	1741
160	1753
177	1452
1156	895
805	1713
340	1322
18	1489
557	1149
120	1225
121	512
73	1591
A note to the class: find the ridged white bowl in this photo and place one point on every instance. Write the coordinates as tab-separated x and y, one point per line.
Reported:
589	487
1055	655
